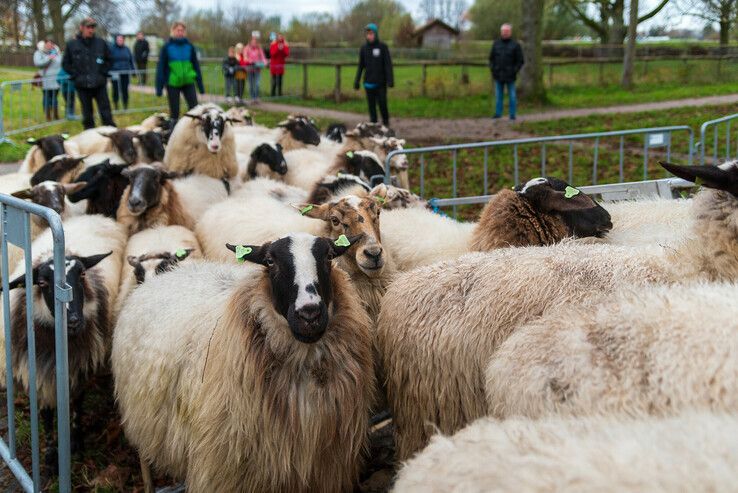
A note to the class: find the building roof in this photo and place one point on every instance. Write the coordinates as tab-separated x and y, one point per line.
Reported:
435	22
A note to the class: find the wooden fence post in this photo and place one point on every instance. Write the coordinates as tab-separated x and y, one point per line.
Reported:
304	80
423	76
337	85
550	75
464	74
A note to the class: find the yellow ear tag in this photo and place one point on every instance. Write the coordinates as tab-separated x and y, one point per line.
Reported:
241	252
180	253
306	209
570	192
342	241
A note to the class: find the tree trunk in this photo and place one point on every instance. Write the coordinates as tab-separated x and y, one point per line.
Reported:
37	11
16	23
531	76
630	49
57	21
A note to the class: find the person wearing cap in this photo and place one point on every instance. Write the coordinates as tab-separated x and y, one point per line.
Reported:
179	70
87	61
279	51
376	64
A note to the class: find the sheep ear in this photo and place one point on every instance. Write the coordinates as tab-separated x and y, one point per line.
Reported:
312	210
709	176
379	193
70	188
20	281
93	260
570	200
342	244
284	123
251	253
23	194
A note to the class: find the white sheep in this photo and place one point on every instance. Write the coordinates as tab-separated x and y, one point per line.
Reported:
691	452
440	324
655	351
649	221
275	189
197	193
230	388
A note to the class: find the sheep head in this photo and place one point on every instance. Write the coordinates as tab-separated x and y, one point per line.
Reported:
50	145
145	186
723	177
50	194
212	126
156	263
301	128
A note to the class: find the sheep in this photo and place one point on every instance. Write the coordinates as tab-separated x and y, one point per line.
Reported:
277	190
438	328
157	121
254	378
151	200
655	351
104	187
203	142
267	161
537	212
368	129
149	146
691	452
298	131
62	169
336	132
94	246
154	251
263	218
197	193
240	116
46	148
649	221
108	139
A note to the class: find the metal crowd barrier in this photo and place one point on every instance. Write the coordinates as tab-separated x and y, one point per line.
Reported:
16	230
715	124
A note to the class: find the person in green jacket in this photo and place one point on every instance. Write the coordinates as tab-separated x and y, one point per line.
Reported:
179	70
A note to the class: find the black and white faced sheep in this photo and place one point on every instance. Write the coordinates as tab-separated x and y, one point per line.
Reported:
151	200
62	169
269	155
202	142
105	184
256	377
299	132
240	116
368	129
338	186
44	149
335	132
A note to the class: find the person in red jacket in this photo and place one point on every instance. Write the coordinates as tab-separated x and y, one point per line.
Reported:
279	51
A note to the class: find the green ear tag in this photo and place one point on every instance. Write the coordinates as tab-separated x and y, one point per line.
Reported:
698	181
65	136
180	253
306	209
570	192
241	252
30	140
342	241
379	199
350	154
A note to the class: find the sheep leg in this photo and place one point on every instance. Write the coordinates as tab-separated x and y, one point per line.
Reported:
50	456
148	481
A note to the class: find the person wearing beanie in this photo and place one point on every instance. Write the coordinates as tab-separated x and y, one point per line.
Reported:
376	65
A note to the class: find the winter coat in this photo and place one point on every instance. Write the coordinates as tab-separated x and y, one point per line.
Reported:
376	63
505	60
279	53
255	58
241	69
87	61
121	57
50	65
229	66
141	50
178	66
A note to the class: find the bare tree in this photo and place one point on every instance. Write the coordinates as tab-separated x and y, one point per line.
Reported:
630	48
531	76
609	24
722	12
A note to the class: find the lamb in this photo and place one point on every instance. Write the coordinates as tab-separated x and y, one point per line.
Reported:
202	142
691	452
435	358
151	200
256	378
62	169
105	184
656	351
94	247
107	139
45	149
267	161
263	218
152	252
535	213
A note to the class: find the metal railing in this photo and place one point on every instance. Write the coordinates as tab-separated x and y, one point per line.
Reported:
16	230
725	121
655	137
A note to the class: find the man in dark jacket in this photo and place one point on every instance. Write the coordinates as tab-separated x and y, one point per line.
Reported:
376	63
505	60
87	61
141	56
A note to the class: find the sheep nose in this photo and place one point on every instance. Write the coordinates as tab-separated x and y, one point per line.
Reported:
309	314
373	252
73	321
135	202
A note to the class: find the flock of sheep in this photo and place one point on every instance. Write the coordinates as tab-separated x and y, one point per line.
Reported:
262	297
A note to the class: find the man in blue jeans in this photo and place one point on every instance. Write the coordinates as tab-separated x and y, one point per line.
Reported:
505	60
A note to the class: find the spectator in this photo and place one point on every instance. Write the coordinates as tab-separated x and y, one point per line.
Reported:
87	61
505	60
141	55
376	63
240	72
48	58
279	51
179	70
230	65
255	61
122	69
67	89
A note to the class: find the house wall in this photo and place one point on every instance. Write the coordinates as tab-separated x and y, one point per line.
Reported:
437	37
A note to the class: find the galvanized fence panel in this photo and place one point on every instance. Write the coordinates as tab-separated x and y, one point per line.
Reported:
575	145
715	140
16	230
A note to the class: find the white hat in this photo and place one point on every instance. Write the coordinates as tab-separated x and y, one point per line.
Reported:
255	34
41	45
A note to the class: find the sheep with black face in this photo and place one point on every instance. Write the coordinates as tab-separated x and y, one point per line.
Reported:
150	146
104	187
271	361
266	161
44	149
108	139
202	142
335	132
62	168
299	131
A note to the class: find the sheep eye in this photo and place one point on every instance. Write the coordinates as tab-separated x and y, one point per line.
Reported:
42	284
269	261
335	221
